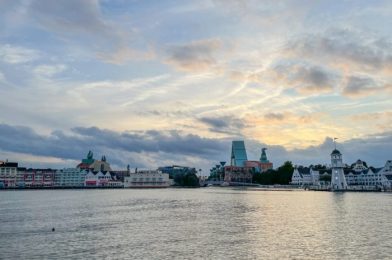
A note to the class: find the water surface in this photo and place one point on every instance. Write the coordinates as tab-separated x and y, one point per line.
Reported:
208	223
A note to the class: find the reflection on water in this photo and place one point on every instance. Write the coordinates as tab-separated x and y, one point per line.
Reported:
212	223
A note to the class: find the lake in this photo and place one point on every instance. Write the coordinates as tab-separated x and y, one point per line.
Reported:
205	223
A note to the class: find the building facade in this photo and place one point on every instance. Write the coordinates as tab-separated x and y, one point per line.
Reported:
262	165
304	176
100	179
89	163
8	174
70	177
361	175
147	179
39	178
235	174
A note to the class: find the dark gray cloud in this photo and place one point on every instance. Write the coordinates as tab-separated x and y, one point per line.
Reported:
274	116
224	124
361	86
194	56
306	78
74	146
160	147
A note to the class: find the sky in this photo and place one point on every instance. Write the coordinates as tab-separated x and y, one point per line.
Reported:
153	83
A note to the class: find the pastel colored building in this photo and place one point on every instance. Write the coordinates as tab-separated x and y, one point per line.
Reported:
70	177
35	178
8	174
262	165
89	163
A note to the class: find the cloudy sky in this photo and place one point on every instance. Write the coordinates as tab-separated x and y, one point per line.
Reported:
154	83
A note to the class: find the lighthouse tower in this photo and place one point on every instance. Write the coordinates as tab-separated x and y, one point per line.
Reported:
338	181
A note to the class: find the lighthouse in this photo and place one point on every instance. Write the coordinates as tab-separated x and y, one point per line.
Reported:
338	181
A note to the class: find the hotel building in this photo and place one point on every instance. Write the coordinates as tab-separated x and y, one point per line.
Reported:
147	179
70	177
8	174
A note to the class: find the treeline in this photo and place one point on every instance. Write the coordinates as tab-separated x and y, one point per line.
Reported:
282	175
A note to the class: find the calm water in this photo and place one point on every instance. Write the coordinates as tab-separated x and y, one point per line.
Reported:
209	223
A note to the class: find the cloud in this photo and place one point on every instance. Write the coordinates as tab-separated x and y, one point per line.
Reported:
305	78
224	124
156	148
65	16
74	145
195	56
274	116
49	70
83	23
17	54
362	86
345	45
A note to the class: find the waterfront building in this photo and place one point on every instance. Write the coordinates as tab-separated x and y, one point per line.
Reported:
89	163
177	170
338	180
100	179
238	154
34	178
262	165
236	174
241	169
8	174
20	183
387	175
147	179
70	177
305	176
359	166
363	176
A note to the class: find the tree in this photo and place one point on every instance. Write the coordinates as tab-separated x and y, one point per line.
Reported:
280	176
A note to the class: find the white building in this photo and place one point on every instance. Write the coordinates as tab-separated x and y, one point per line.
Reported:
147	179
70	177
305	176
373	177
101	179
338	180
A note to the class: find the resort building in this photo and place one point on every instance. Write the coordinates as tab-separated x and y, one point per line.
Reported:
147	179
235	174
70	177
238	154
20	183
304	176
39	178
89	163
262	165
8	174
363	176
241	169
101	179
